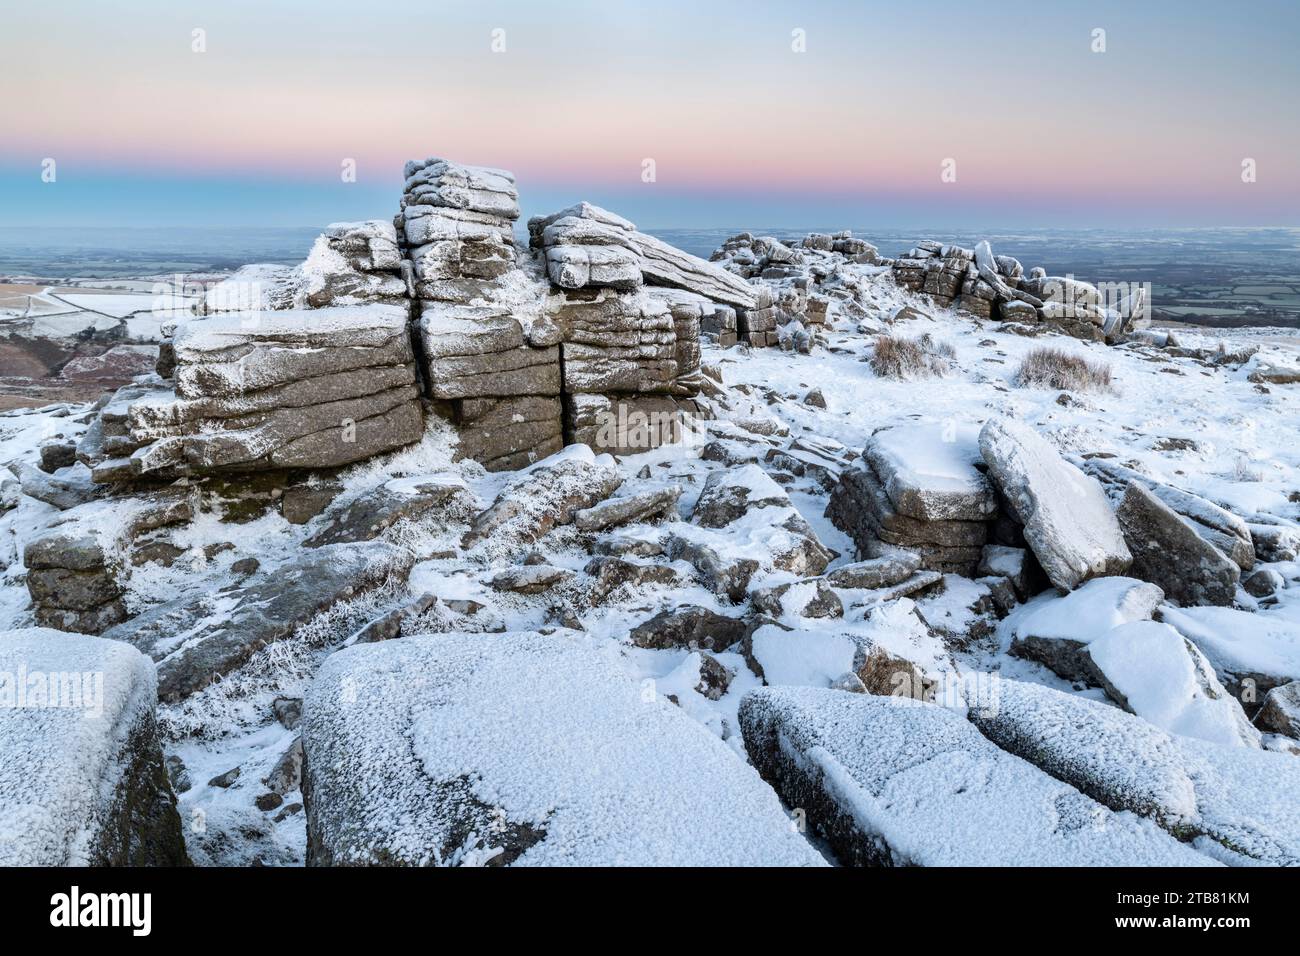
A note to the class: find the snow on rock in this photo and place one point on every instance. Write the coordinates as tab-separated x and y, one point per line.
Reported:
1056	630
894	781
1237	803
1251	653
522	749
891	651
1281	711
1226	531
198	637
1068	519
1168	551
1155	672
82	781
546	495
929	472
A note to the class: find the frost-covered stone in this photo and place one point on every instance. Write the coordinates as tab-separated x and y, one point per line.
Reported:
585	245
860	506
1281	711
813	598
529	578
61	491
890	568
1055	630
692	627
440	749
1251	653
756	520
1221	528
297	388
369	515
82	779
1234	803
729	494
545	496
1169	552
1155	672
629	509
894	781
1067	518
199	638
929	472
1000	561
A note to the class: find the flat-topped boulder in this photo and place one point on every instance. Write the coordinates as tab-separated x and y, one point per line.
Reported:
896	781
1235	803
929	472
1068	520
443	750
82	781
235	353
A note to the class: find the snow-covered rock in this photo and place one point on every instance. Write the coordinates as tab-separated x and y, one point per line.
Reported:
1234	802
1281	711
1068	520
929	472
1158	674
549	494
1168	551
1226	531
894	781
199	637
1251	653
1056	630
523	749
82	781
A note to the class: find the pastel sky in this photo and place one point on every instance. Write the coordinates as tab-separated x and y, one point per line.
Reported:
743	131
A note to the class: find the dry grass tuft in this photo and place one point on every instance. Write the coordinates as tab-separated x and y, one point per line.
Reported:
1054	368
922	357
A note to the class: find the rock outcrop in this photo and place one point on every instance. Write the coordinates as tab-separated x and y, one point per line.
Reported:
310	388
996	287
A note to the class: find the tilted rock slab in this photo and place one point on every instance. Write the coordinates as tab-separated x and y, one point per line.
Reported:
1226	531
201	637
1068	520
449	749
893	781
1168	551
589	246
1233	802
82	781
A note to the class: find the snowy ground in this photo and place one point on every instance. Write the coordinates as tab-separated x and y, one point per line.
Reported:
1240	448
